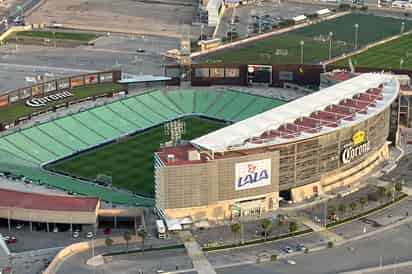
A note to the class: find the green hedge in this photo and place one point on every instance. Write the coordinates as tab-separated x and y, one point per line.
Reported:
146	249
258	241
366	212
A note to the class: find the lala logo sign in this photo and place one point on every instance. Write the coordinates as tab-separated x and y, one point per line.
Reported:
252	174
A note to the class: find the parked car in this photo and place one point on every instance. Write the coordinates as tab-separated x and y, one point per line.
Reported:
287	249
89	235
19	226
76	234
300	247
292	262
10	239
140	50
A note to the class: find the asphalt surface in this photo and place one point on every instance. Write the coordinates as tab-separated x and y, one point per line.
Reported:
115	51
389	247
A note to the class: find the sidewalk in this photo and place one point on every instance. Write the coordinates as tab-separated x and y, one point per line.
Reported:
200	262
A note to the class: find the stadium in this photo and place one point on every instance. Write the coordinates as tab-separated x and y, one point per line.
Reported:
207	152
317	143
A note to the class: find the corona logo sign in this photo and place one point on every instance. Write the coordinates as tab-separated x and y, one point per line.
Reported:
42	101
358	137
357	148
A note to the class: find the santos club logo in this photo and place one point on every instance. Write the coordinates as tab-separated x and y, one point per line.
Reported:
252	174
357	148
42	101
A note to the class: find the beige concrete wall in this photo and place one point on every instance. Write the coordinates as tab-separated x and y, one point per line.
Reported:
221	210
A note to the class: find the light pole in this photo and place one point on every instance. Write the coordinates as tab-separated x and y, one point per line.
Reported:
330	44
302	43
401	63
402	27
356	35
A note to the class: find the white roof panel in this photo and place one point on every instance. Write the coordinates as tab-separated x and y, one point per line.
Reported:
233	136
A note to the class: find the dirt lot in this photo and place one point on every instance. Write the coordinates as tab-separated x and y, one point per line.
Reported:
156	17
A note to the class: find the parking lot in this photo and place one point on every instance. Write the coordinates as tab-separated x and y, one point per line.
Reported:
252	20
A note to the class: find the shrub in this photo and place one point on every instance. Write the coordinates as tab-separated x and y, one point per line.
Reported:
274	257
330	244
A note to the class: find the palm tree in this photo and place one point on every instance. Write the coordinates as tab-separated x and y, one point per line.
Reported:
143	234
381	193
267	226
236	228
353	206
293	226
127	236
108	242
398	187
342	209
281	219
363	201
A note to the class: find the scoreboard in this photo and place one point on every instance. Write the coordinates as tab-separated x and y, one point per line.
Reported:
259	74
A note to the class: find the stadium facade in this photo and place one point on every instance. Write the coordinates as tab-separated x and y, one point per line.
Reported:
318	143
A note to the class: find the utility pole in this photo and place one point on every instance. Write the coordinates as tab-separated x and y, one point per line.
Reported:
356	35
330	44
302	43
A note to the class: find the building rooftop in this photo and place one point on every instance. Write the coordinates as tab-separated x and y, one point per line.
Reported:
179	155
37	201
340	105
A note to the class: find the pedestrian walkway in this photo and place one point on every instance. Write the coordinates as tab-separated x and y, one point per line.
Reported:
329	235
200	262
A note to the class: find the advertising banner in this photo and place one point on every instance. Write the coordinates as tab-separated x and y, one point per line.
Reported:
92	79
49	86
232	72
4	100
217	72
106	77
76	81
14	96
36	90
63	84
252	174
25	93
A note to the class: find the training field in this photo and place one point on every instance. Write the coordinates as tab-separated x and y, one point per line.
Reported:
387	55
286	48
130	162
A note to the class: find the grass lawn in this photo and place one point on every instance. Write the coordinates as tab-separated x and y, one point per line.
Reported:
75	36
386	56
316	42
130	162
11	112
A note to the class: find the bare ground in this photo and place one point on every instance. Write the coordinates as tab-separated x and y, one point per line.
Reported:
155	17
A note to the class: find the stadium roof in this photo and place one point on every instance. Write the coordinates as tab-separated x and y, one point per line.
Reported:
37	201
238	135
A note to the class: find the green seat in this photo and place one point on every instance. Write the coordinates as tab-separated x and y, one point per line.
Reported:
63	136
113	119
57	147
79	129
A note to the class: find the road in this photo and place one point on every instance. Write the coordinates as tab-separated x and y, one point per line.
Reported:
389	247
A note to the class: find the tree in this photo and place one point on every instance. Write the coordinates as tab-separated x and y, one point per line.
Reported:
266	226
108	242
293	226
381	192
281	219
127	236
353	205
389	194
236	228
331	210
143	234
363	201
342	209
398	187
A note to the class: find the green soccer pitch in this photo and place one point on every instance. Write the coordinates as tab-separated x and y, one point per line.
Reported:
286	48
130	161
387	56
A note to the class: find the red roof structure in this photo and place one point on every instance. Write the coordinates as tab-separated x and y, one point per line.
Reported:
37	201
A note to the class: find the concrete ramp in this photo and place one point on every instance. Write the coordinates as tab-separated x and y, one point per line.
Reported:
200	262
